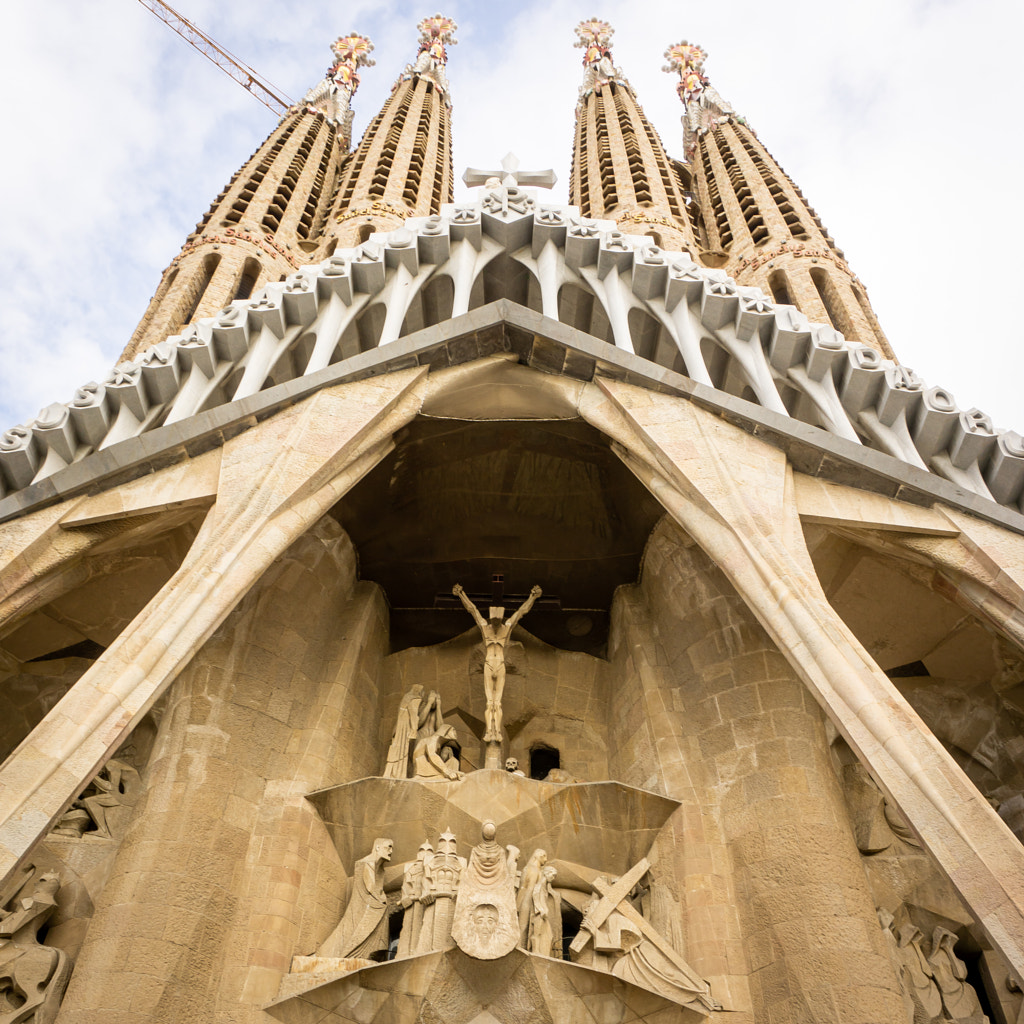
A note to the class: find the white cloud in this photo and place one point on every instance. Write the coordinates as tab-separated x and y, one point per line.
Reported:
895	118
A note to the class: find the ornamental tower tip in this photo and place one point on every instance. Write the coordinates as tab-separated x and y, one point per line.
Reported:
594	37
436	33
704	106
333	96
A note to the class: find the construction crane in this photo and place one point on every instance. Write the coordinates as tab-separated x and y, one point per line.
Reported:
241	73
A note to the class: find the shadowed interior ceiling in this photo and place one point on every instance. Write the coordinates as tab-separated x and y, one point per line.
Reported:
464	501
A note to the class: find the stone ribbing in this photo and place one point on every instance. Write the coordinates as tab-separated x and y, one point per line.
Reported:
661	306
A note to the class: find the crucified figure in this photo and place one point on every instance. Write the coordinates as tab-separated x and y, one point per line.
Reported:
495	632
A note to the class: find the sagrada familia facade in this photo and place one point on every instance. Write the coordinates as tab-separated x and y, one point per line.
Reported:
502	611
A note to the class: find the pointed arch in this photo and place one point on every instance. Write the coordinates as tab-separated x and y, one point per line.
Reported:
433	304
580	308
652	340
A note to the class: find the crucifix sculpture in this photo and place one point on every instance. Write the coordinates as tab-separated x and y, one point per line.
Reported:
509	175
495	632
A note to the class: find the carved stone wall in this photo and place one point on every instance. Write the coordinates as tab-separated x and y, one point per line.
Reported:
767	872
226	869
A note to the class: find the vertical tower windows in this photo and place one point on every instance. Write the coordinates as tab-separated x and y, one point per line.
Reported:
721	219
248	191
748	204
609	196
312	215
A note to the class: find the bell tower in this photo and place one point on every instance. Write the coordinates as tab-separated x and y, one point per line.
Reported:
270	217
620	169
759	226
403	165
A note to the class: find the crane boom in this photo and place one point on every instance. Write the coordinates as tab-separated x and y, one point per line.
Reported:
241	73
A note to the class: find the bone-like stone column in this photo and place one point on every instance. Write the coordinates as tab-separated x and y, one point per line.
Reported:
733	494
276	480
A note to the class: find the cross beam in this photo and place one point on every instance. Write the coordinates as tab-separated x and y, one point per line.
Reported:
510	175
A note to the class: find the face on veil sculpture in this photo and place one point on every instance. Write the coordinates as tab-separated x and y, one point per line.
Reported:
486	923
495	632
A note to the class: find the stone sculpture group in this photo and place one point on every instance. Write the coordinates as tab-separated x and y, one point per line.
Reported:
935	986
487	907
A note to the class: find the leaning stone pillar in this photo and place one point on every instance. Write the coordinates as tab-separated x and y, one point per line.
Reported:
226	871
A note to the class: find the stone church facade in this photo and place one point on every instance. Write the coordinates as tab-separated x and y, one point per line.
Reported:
504	611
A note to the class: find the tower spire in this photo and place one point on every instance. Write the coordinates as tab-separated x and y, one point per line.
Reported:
333	96
594	37
758	224
620	169
704	106
402	166
432	57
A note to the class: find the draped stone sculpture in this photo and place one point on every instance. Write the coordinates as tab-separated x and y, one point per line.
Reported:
486	924
363	931
524	898
917	974
958	996
546	916
116	784
436	756
416	717
413	889
32	976
886	920
443	873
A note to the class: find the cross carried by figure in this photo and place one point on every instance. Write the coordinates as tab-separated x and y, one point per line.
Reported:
510	175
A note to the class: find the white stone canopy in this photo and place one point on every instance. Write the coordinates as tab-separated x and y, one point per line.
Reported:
618	288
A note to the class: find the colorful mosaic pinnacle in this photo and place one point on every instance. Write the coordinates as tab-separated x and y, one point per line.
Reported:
350	53
434	33
688	60
594	37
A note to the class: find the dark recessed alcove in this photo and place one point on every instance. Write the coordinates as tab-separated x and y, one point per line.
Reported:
520	502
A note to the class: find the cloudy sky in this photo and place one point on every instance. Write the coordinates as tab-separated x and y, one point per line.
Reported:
897	118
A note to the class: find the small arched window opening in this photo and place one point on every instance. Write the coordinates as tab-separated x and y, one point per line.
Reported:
780	288
655	237
198	290
365	230
247	279
542	760
832	302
